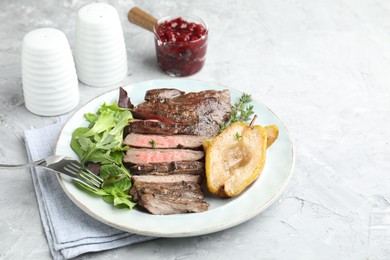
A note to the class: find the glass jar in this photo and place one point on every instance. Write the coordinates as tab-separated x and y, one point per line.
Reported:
181	44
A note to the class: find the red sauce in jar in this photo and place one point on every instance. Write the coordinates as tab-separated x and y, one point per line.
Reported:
181	46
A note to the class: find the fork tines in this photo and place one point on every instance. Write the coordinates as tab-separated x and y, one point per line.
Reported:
84	176
73	168
91	178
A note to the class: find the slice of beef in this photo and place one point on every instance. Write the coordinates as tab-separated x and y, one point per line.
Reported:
181	167
162	94
145	156
158	127
167	179
187	108
207	110
162	195
165	141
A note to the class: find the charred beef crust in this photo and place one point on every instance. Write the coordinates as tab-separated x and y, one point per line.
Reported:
162	94
180	167
158	127
163	195
188	108
207	110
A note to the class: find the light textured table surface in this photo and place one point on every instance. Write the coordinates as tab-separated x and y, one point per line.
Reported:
322	66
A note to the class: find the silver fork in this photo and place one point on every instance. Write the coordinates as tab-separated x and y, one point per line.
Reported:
63	165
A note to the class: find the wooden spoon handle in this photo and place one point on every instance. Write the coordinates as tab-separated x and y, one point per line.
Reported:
141	18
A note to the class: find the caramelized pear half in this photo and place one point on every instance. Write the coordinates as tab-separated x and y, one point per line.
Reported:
272	133
235	159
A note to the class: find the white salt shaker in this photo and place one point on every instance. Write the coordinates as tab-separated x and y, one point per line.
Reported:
100	52
50	85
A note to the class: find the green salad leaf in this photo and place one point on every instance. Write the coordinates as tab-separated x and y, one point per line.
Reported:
116	185
102	142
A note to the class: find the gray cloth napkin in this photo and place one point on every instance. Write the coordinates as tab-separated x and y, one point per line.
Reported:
69	231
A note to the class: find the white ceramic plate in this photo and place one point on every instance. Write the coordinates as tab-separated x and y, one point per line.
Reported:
223	213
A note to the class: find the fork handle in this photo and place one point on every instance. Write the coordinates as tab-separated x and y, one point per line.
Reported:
21	166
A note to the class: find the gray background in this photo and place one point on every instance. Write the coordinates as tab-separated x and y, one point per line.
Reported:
322	66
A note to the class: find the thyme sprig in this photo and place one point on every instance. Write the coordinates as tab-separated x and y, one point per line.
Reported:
242	111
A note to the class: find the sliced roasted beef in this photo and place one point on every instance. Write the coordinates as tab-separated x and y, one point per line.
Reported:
145	156
162	94
163	128
167	179
206	110
173	194
165	141
181	167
